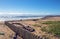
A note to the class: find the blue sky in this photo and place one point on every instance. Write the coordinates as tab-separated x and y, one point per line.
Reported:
39	7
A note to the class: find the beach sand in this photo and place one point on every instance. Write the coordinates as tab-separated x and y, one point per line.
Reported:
9	34
6	32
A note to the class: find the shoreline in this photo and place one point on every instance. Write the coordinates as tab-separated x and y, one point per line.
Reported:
22	19
28	18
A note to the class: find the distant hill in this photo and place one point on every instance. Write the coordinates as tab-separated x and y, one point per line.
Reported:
52	17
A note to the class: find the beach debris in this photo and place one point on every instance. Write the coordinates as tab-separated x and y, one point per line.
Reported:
26	27
2	33
35	19
29	28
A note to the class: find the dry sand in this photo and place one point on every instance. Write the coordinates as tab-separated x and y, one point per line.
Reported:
8	33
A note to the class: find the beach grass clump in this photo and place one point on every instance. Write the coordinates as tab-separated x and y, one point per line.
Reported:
51	22
36	25
43	29
53	27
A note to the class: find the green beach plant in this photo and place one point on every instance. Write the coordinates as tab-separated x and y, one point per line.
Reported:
53	27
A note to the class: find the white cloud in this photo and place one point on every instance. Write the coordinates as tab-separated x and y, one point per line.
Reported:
17	13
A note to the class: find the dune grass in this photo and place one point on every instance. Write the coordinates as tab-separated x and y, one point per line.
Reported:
35	25
53	27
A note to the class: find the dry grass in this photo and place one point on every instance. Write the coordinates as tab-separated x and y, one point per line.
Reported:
5	32
37	25
53	27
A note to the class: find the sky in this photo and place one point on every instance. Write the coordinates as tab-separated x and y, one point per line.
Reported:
37	7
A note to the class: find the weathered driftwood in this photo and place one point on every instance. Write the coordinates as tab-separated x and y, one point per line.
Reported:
25	34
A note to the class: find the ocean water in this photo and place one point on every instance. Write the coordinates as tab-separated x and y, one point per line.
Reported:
7	18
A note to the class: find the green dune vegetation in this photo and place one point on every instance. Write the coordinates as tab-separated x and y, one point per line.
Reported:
52	27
